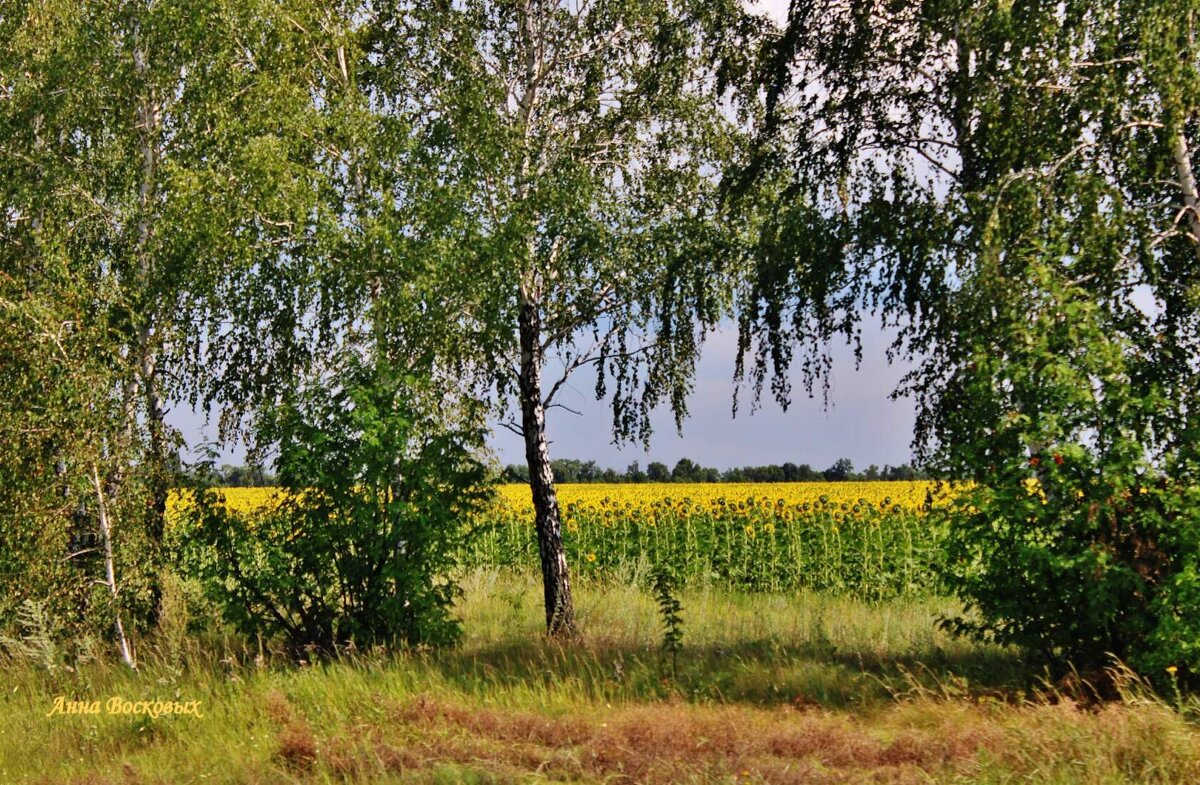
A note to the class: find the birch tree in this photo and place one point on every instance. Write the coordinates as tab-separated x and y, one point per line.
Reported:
73	417
1012	185
557	162
146	155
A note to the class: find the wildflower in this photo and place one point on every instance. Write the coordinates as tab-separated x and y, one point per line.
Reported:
1172	670
1058	459
1034	461
591	557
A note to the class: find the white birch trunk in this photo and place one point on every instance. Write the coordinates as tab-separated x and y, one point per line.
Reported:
110	573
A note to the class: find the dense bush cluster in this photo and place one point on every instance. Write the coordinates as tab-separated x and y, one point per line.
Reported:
363	549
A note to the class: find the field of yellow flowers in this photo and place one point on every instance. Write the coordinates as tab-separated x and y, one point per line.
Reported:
868	539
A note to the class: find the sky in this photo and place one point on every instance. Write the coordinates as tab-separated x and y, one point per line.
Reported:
859	423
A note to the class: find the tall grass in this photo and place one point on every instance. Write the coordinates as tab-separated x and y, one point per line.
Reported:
770	688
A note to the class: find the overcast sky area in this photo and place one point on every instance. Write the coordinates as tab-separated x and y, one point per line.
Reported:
860	422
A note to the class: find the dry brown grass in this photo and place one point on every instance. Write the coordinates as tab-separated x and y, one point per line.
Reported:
444	736
921	741
297	745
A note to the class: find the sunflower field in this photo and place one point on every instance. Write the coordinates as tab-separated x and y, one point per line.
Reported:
872	540
867	539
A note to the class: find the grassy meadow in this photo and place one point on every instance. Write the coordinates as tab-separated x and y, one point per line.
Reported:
769	688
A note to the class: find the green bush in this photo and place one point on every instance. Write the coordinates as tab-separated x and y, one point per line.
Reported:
1078	538
375	497
1174	642
1083	567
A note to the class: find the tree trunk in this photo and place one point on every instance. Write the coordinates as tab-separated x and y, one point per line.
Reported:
1187	184
110	574
160	479
149	118
560	610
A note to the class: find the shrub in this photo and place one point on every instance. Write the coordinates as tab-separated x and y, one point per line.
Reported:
361	547
1078	536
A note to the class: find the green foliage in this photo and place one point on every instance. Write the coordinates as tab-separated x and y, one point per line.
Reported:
1012	186
146	157
1174	640
563	180
362	547
1071	534
36	641
664	581
1077	583
61	419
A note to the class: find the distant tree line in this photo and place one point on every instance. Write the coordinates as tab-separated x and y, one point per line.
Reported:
231	476
687	470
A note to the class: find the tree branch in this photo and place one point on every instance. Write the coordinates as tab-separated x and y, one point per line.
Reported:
514	428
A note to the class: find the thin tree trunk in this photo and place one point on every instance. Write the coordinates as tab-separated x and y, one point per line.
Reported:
149	121
556	585
1187	184
160	485
110	572
560	610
